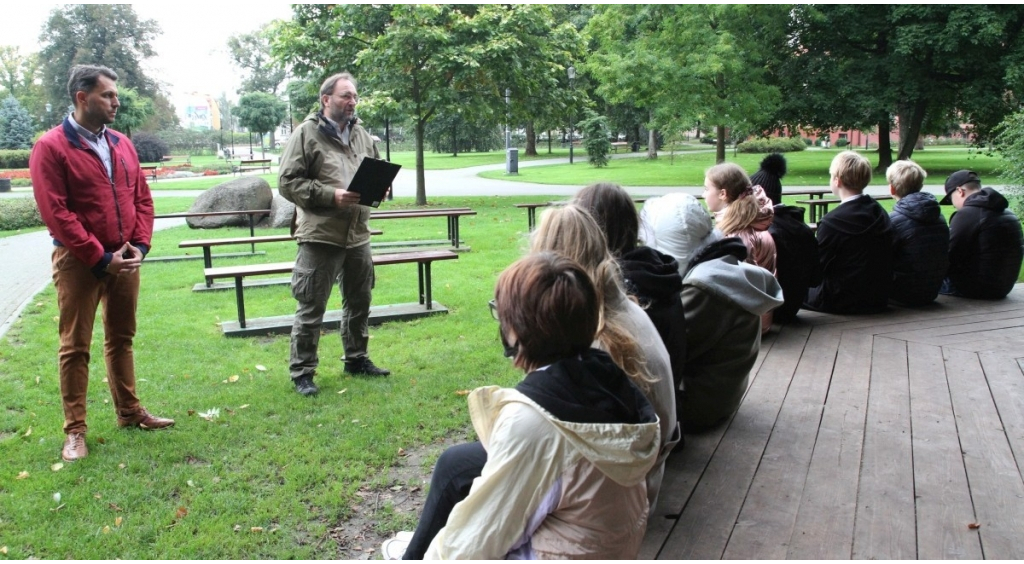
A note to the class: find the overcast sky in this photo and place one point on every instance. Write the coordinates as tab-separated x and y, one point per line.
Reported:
191	50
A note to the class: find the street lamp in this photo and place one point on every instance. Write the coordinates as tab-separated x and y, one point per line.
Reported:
572	78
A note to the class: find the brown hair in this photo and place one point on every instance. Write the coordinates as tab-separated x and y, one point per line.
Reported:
905	177
852	170
613	209
743	208
549	302
571	232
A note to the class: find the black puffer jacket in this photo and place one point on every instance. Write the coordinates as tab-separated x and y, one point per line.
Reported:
920	240
985	247
855	252
796	266
652	277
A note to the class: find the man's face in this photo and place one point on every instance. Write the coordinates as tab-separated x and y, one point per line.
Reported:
99	106
340	105
958	196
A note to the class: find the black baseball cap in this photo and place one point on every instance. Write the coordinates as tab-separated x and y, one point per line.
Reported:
956	180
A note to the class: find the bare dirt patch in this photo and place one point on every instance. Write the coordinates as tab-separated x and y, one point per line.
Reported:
380	509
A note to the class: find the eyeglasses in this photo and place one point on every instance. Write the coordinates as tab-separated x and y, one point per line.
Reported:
493	305
349	97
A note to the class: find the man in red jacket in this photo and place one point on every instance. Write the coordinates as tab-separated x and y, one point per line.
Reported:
94	199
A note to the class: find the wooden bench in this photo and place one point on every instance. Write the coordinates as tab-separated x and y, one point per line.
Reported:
251	164
453	215
332	319
824	203
150	171
173	160
531	209
208	244
620	145
251	213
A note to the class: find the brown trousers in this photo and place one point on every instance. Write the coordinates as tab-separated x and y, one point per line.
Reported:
78	294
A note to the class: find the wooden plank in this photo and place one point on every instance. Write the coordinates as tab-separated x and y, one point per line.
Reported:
996	486
708	517
885	523
282	324
824	524
1007	384
963	330
765	524
943	497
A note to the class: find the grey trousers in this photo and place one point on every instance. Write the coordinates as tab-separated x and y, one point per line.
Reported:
318	267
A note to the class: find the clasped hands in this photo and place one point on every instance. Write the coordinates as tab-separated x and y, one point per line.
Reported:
127	259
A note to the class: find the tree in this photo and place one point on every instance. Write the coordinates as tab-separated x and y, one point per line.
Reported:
432	58
1009	142
20	76
697	62
134	111
251	53
16	126
260	112
595	135
108	34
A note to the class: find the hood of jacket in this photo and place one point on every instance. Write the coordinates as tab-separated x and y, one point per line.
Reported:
676	224
922	207
592	404
787	217
765	210
987	198
860	215
649	274
723	272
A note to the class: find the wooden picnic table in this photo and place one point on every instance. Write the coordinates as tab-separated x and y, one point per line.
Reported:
251	213
531	209
824	203
452	215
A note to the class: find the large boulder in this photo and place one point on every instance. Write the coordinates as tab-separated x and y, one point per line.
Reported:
281	213
245	193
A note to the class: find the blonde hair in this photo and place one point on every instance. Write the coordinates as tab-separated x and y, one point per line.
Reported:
743	208
905	177
573	233
852	170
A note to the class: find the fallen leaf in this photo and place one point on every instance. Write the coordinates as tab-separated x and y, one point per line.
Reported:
462	393
355	421
237	528
190	483
3	550
106	529
973	526
101	440
229	411
115	507
243	406
58	508
118	521
121	466
401	452
97	496
27	433
56	466
210	415
256	529
191	412
396	488
343	391
233	378
22	475
37	379
261	368
180	513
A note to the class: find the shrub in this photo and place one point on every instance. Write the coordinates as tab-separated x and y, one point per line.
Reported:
808	141
772	145
151	148
14	158
841	142
16	126
708	140
595	139
19	213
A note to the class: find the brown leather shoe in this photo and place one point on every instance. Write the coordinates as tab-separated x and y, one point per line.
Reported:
74	447
143	420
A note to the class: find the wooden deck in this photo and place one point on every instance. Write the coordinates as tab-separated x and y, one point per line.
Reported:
890	436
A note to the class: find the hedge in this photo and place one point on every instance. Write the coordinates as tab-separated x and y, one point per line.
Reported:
19	213
14	158
772	145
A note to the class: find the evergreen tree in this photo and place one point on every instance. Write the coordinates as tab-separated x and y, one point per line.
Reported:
15	125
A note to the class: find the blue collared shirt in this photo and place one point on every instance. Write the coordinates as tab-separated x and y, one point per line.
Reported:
98	143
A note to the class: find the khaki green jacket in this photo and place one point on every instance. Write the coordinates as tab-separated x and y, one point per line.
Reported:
313	165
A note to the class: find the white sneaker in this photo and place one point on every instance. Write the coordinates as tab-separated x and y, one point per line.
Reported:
394	548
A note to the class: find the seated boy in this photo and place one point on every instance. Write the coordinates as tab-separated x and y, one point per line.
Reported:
854	244
985	241
920	237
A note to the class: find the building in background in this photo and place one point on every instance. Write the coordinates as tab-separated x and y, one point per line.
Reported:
198	111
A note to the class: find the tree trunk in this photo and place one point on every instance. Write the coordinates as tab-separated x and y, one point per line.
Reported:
884	146
421	180
720	144
652	144
273	143
914	130
455	138
549	141
531	140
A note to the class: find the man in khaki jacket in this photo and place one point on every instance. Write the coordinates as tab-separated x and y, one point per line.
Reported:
332	230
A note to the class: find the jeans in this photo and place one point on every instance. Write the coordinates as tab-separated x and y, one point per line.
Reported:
318	267
79	293
452	479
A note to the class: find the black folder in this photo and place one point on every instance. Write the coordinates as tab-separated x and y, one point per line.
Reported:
372	180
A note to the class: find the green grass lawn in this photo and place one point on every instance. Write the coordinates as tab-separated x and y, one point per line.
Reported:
805	168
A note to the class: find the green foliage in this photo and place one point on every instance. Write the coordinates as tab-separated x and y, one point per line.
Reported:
304	97
191	141
16	128
772	145
14	158
842	142
134	111
151	149
446	129
21	77
595	139
19	213
260	112
250	52
1009	142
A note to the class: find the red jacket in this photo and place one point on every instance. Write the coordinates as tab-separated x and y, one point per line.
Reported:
82	208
